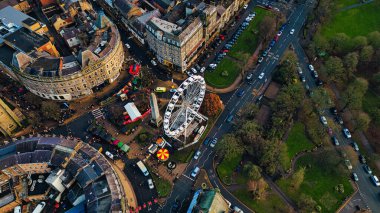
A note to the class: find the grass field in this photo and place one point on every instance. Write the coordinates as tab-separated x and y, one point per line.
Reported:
215	78
163	186
357	21
345	3
226	168
323	173
297	140
247	42
272	203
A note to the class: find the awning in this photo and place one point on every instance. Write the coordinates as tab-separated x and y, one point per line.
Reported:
125	148
120	144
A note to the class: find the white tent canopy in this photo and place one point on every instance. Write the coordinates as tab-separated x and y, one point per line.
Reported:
132	110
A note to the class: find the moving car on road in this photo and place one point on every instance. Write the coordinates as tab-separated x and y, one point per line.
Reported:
311	67
197	154
291	31
375	180
150	184
213	142
261	76
195	172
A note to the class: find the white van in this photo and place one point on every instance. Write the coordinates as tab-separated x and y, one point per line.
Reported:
17	209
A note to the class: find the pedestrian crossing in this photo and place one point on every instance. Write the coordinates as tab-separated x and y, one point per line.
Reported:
97	113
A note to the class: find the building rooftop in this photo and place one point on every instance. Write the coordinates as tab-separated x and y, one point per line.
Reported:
10	15
26	40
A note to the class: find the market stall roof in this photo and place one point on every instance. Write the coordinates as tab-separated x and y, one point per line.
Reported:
120	144
125	148
132	110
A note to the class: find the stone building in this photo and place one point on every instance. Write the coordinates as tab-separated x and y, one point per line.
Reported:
10	118
33	60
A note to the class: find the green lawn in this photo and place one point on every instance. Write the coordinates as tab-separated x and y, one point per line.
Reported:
370	102
226	168
297	140
215	78
272	203
163	186
323	172
357	21
247	42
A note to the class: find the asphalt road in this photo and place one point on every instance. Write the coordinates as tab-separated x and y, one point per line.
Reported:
368	191
182	188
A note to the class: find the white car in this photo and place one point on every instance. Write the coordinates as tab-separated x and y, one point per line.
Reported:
346	133
237	209
127	45
212	66
245	6
203	69
195	172
248	19
311	67
299	70
109	154
323	120
279	33
150	184
249	76
189	73
194	70
355	176
197	154
261	76
153	62
291	31
213	142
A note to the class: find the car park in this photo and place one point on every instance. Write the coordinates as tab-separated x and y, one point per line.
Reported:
150	184
355	176
335	141
195	172
291	31
197	154
261	76
213	142
153	62
355	146
367	169
240	93
346	133
323	120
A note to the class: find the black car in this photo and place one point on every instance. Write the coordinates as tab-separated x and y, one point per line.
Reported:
362	159
333	110
302	78
339	119
319	82
207	141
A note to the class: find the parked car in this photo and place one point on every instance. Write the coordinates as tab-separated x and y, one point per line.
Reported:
348	164
261	76
194	70
355	146
213	142
302	78
109	154
153	62
346	133
355	176
339	120
318	82
212	66
311	67
203	69
260	60
249	76
333	110
195	172
150	184
367	169
362	159
375	180
237	210
245	6
173	90
291	31
335	141
323	120
314	74
127	45
299	70
197	154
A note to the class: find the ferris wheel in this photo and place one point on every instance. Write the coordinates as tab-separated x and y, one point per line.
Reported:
184	105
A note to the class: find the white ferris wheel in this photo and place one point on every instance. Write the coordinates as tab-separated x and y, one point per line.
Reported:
183	107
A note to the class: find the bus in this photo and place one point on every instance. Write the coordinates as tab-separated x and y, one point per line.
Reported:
160	89
39	207
142	167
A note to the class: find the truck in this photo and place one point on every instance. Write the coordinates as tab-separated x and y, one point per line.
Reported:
39	207
142	167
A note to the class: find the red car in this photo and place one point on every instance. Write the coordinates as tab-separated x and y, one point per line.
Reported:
221	37
276	38
225	51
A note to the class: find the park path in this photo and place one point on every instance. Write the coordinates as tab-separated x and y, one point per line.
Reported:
355	6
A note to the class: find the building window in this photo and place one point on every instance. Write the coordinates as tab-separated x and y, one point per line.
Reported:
64	90
61	97
72	89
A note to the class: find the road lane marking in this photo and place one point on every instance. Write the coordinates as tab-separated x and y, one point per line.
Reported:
187	177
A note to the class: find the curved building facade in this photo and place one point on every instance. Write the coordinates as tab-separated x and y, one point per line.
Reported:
96	59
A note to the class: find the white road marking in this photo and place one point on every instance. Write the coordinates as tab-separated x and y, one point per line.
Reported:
187	177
